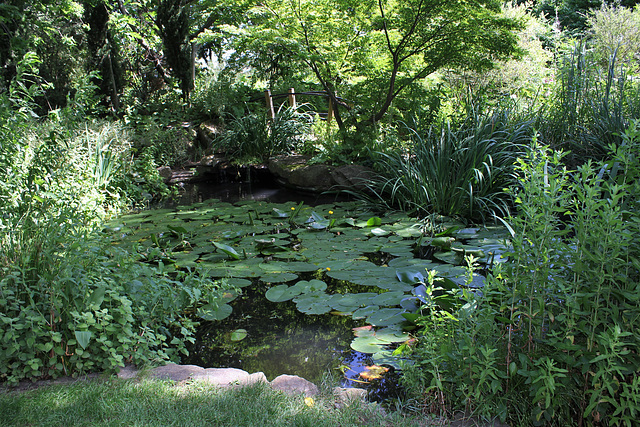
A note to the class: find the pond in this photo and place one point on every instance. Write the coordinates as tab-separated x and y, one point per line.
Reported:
324	288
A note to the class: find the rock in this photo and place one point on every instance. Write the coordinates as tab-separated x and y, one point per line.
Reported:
348	396
352	176
209	164
293	384
206	132
293	171
222	377
225	377
165	173
175	372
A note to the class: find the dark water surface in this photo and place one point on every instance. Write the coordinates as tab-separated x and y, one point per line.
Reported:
280	339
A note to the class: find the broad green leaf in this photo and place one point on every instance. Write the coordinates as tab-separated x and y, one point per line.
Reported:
97	296
281	293
83	338
374	222
227	250
215	312
239	334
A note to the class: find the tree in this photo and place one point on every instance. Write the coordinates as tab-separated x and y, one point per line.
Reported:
50	30
370	51
180	23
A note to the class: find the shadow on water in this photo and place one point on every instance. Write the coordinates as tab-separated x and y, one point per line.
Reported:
282	340
258	184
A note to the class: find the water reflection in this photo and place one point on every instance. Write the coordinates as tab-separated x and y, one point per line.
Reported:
232	192
280	340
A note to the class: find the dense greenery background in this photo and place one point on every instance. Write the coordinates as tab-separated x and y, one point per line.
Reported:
524	113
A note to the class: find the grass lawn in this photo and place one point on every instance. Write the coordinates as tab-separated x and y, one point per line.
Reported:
116	402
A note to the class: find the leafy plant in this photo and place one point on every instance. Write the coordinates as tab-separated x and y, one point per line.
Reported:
550	340
455	172
591	107
254	137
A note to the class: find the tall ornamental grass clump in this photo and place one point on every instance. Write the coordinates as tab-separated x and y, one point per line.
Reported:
255	137
459	172
552	339
591	106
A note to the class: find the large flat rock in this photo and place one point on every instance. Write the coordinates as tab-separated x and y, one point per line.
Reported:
296	173
219	376
293	384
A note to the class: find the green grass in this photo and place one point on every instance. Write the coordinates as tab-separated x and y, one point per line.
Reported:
115	401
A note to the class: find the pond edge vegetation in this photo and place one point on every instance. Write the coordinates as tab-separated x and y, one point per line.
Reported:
551	337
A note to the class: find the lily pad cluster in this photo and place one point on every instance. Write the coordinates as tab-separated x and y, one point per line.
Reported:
275	244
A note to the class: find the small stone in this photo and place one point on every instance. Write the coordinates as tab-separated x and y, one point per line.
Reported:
293	384
222	376
128	372
348	396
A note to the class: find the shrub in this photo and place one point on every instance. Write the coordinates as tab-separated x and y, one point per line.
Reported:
615	28
552	339
590	108
255	137
70	305
455	172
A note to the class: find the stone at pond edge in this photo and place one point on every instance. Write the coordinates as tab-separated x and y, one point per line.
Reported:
222	377
293	171
352	176
293	384
165	173
348	396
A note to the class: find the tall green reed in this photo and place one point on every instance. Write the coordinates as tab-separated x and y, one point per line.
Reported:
455	172
591	106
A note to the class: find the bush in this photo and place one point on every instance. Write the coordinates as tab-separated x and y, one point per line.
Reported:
255	137
71	305
552	339
616	29
459	172
590	108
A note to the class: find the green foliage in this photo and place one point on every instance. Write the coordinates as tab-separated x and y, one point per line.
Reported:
73	308
371	52
455	172
591	108
552	338
615	28
255	137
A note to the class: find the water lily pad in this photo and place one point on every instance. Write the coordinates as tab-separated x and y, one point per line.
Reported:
391	335
386	357
364	312
477	281
281	293
239	334
305	286
386	317
227	250
313	303
379	232
388	299
367	344
240	283
215	312
300	267
411	275
278	277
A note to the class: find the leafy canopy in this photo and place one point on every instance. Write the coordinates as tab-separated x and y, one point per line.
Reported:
370	51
